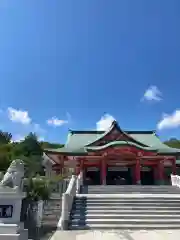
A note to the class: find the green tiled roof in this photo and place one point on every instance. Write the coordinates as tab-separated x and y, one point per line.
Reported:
78	142
120	143
78	139
69	151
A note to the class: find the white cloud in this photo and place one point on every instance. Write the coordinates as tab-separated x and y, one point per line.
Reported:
54	121
105	122
152	94
41	139
17	138
18	116
37	128
169	120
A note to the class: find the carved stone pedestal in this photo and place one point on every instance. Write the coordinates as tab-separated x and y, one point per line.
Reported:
10	211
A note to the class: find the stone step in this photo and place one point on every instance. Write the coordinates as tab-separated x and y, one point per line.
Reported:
122	207
112	191
131	216
52	212
53	206
130	200
129	195
51	217
130	186
125	226
147	204
127	211
124	221
134	188
50	224
123	193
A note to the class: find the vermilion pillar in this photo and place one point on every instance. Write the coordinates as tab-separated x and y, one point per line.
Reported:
82	168
155	173
161	172
174	166
103	171
62	164
81	165
138	172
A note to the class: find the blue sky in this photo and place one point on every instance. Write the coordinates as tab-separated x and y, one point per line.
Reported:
80	64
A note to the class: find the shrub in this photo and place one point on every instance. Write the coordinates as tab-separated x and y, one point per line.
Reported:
37	188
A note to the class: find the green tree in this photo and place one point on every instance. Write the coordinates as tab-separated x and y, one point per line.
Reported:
29	146
173	142
38	188
5	137
46	145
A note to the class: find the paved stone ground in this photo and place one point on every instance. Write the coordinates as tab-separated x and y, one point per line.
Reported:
118	235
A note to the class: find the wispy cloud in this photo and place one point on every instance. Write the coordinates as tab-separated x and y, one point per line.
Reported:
19	116
19	138
105	122
54	121
152	94
28	125
169	120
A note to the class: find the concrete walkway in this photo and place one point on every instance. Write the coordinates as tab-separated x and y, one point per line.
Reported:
118	235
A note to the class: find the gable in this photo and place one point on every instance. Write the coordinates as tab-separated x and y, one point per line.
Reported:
115	134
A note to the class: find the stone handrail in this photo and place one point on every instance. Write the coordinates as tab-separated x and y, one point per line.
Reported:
175	180
79	182
67	201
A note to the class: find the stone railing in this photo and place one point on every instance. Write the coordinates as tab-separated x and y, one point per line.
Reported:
79	182
67	200
175	180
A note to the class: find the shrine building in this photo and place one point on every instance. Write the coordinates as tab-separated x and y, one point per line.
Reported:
105	157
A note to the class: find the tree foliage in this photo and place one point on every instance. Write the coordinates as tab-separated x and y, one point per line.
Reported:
38	188
30	150
46	145
5	137
29	146
173	142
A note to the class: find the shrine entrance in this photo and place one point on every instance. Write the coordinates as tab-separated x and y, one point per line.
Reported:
118	175
92	176
147	176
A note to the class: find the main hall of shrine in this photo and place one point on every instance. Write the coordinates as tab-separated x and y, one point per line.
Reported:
116	156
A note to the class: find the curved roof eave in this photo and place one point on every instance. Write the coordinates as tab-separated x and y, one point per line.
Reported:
119	143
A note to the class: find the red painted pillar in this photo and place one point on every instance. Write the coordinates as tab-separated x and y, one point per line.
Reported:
62	165
103	171
174	166
82	165
82	168
138	172
155	172
161	172
134	174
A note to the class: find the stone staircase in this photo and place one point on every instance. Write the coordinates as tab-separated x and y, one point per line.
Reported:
51	216
126	207
121	189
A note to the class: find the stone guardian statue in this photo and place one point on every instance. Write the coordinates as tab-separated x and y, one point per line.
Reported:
14	175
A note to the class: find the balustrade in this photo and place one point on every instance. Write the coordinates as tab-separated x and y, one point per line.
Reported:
67	199
175	180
